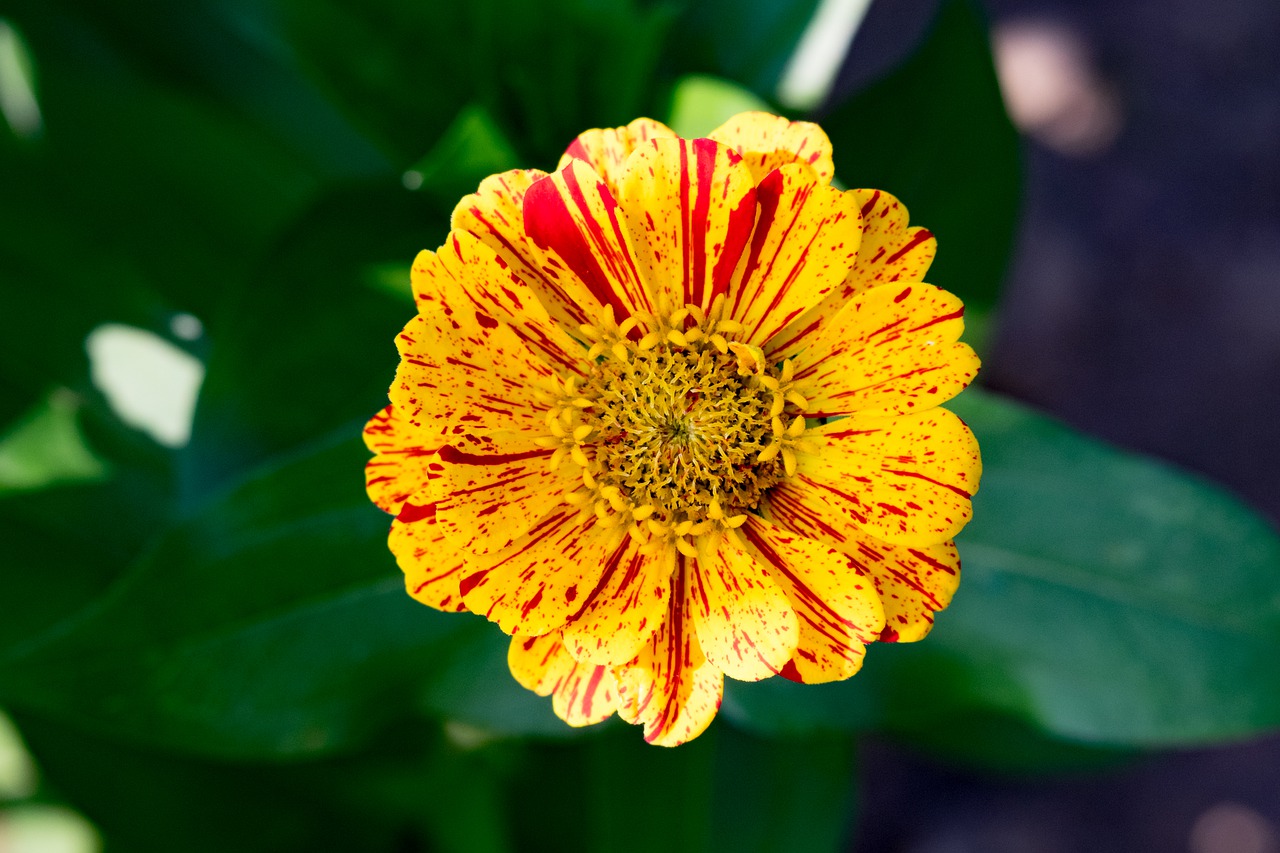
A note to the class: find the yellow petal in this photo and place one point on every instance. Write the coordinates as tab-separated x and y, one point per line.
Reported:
581	694
607	149
769	142
836	603
890	350
806	237
913	582
669	687
540	581
490	490
467	373
432	567
584	247
494	214
624	609
690	206
745	623
907	480
890	251
472	278
399	470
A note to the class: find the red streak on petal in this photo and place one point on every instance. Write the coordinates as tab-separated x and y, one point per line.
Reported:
410	513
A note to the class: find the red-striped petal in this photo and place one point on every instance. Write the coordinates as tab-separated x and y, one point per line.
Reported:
836	603
399	469
585	249
540	581
745	624
606	150
769	142
805	239
890	350
432	566
624	609
581	694
490	490
690	206
669	687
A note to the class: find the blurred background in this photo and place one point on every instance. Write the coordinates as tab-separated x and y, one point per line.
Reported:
207	212
1142	304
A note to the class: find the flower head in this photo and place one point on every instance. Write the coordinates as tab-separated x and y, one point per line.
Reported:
671	413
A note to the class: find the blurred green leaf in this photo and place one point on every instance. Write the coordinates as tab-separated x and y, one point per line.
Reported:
1107	598
265	623
997	743
473	148
700	104
307	343
934	133
403	70
46	447
748	41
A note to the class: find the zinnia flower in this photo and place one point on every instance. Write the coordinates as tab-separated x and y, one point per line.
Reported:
672	413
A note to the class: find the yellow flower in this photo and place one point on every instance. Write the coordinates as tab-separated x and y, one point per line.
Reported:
671	413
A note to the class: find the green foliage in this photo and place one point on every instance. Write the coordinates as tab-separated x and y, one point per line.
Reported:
219	628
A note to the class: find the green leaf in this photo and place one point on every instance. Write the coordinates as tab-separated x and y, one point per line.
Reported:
748	41
269	622
319	308
1107	598
46	447
700	104
473	148
934	133
549	70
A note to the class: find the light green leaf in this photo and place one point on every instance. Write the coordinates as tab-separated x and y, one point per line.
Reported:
700	104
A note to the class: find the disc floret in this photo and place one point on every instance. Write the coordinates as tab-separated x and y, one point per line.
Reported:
678	429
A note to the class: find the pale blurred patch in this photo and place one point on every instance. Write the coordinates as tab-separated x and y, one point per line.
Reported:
46	829
813	67
18	102
150	383
1051	88
1233	828
17	772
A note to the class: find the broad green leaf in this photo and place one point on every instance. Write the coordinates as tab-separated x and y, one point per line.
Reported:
307	344
549	70
996	743
47	446
271	621
934	133
1107	598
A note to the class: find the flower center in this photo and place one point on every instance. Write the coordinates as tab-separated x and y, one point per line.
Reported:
677	427
680	427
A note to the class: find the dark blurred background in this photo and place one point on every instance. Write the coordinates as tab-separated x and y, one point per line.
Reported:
1142	305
